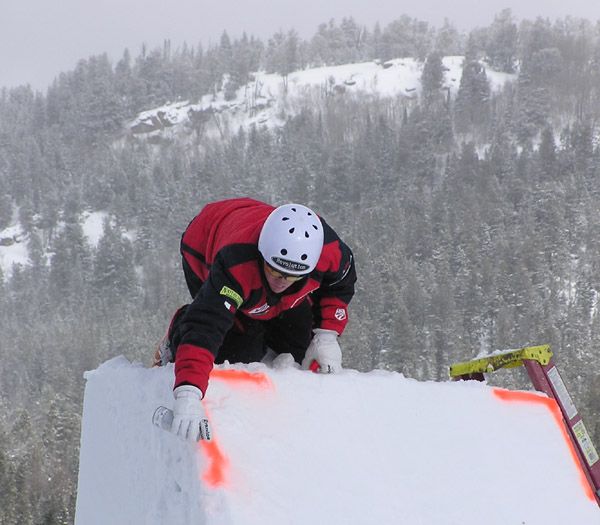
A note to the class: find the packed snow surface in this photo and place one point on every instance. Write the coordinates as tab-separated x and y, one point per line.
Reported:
295	447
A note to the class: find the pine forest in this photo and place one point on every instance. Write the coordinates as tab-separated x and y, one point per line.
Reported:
474	217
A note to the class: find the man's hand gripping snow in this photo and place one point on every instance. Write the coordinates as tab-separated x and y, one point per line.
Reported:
324	349
189	420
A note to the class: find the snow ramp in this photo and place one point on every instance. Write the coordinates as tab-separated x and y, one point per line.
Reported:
292	447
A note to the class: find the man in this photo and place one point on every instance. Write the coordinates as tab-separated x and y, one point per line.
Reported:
260	277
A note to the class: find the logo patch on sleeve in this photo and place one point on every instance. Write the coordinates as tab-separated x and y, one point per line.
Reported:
340	314
229	307
233	295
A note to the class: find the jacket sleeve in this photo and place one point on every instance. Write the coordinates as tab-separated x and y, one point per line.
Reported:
204	326
337	286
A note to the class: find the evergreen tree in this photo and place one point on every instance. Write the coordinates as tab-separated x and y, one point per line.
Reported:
432	77
114	274
6	210
448	40
103	109
70	263
547	154
283	54
501	48
376	44
125	83
9	494
407	37
353	37
473	97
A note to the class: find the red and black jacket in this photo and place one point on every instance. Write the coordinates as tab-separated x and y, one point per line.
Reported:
220	246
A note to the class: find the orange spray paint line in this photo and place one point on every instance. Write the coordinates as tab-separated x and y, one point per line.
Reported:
552	405
242	377
216	473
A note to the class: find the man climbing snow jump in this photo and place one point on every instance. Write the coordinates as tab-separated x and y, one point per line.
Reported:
260	278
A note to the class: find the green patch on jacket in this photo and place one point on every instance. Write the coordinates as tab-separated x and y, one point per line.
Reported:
233	295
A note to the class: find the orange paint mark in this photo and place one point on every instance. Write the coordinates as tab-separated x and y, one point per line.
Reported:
215	475
552	405
525	397
257	379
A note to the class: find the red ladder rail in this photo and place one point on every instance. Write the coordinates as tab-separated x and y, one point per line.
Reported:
547	379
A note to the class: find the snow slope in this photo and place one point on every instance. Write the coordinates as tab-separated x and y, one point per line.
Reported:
13	249
292	447
269	99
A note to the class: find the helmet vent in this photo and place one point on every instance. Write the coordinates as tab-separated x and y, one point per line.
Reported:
292	230
293	209
283	251
315	227
306	235
285	218
304	257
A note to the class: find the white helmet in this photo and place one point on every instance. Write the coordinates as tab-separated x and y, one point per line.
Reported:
291	239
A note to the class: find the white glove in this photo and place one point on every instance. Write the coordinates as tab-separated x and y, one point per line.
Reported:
189	419
325	350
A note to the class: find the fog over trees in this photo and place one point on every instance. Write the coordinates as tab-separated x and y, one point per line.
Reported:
474	219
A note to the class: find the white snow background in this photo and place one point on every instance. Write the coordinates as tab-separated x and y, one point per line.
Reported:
299	448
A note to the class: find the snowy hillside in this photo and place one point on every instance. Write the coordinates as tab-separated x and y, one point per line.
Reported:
295	447
13	248
14	243
269	99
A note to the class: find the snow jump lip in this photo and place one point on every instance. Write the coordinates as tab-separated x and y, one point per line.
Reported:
551	404
216	472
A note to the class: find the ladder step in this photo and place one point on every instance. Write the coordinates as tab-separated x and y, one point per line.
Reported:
508	359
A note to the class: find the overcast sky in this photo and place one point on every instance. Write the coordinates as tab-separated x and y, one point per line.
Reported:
41	38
